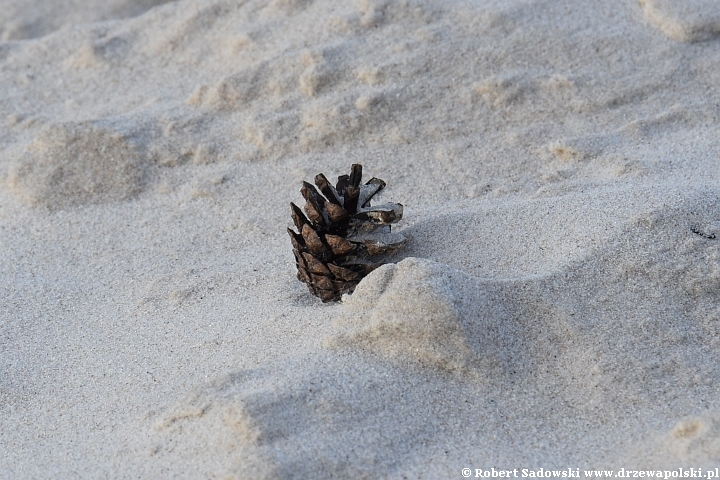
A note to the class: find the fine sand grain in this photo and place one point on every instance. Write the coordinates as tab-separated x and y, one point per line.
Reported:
557	304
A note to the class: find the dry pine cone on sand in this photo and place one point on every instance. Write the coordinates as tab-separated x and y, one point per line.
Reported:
342	238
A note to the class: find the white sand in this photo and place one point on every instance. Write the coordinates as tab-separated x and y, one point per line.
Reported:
558	304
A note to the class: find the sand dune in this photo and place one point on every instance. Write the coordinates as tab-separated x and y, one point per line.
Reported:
556	305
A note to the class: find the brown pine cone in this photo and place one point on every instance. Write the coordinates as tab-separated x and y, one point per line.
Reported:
342	238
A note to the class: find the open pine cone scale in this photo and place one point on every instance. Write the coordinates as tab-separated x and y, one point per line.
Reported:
340	236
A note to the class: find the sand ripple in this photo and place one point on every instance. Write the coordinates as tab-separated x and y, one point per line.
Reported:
685	21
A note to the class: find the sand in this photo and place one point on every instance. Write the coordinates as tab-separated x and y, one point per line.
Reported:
557	304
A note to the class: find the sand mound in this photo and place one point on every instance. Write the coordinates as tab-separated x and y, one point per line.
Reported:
684	20
581	320
72	164
429	330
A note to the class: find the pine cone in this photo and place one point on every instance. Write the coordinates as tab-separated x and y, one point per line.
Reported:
342	238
